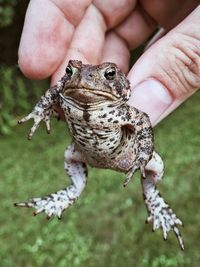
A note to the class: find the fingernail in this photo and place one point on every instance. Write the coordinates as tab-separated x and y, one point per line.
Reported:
151	97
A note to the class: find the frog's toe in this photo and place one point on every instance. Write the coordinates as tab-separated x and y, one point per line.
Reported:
48	205
169	221
165	218
24	119
32	203
130	175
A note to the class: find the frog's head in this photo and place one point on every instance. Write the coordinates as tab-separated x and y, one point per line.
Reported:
93	83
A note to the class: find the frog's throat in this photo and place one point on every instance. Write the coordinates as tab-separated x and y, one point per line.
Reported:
91	106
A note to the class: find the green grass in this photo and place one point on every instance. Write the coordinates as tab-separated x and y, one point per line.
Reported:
106	225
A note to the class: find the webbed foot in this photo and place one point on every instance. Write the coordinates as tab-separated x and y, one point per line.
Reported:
162	216
52	205
160	213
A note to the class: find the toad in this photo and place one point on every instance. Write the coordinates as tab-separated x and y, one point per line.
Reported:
106	133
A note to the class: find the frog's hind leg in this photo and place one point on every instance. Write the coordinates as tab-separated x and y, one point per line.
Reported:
56	203
160	213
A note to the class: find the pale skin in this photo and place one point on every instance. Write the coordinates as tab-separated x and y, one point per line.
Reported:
59	30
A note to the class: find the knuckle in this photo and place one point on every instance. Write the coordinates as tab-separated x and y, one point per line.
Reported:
187	62
180	64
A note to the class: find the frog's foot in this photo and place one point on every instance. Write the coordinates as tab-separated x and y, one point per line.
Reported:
129	175
37	116
132	171
161	215
52	205
55	204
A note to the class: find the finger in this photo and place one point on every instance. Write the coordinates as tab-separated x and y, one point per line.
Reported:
159	34
116	50
137	27
87	42
169	71
128	35
169	13
48	29
114	12
172	107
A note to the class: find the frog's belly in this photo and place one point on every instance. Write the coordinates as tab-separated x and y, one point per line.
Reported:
105	148
122	162
95	142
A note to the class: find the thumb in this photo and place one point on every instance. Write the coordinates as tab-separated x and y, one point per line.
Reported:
169	71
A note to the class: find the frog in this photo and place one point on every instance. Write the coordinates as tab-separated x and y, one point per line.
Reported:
106	133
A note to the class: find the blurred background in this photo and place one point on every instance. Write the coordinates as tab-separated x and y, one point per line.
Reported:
106	226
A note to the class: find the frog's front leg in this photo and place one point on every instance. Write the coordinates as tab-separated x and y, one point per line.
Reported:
143	145
56	203
44	109
160	213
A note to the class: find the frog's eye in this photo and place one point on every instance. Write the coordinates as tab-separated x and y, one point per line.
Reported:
110	73
69	70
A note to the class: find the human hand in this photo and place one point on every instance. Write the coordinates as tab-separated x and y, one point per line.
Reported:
98	31
169	70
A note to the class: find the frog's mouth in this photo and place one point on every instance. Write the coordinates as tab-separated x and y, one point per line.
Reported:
86	95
